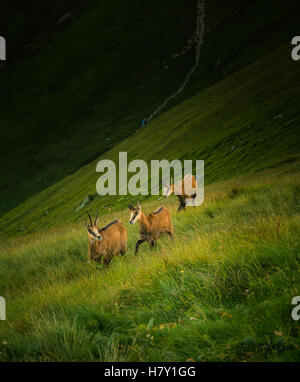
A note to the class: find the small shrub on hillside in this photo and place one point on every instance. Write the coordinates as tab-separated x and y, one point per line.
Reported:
235	191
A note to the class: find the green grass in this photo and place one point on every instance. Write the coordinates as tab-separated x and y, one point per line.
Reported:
221	291
72	91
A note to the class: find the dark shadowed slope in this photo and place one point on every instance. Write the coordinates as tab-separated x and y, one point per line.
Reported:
80	76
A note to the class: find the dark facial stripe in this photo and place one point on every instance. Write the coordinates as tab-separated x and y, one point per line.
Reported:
135	215
92	233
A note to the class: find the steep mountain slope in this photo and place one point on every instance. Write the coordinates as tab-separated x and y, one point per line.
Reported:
222	289
81	75
247	122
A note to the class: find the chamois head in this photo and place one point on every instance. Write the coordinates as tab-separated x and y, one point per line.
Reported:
168	190
135	213
93	231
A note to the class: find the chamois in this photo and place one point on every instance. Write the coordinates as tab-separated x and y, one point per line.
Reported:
153	226
106	242
181	190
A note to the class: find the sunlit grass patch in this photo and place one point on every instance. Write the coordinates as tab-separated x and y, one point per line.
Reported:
221	290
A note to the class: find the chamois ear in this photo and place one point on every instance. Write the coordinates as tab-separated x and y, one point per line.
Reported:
138	204
130	206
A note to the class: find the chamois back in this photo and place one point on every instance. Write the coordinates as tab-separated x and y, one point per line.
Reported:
187	187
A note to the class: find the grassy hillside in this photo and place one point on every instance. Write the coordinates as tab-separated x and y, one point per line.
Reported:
80	75
78	81
247	122
221	291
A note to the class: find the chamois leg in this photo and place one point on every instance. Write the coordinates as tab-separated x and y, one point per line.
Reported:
182	204
168	232
100	259
106	262
193	199
138	243
171	234
153	243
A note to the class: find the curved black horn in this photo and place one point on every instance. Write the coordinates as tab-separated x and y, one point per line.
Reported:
90	218
96	220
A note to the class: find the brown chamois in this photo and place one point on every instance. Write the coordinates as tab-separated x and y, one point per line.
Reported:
153	226
106	242
182	190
